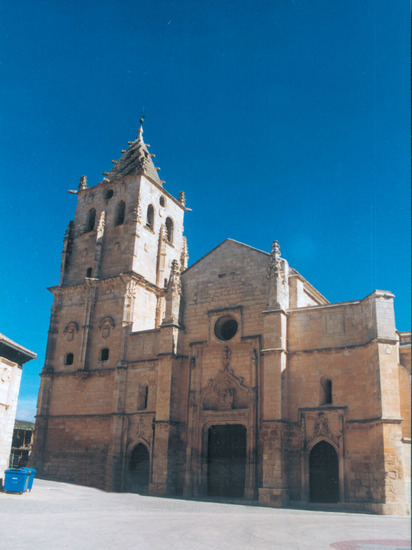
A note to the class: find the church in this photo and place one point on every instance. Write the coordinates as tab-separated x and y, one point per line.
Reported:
231	379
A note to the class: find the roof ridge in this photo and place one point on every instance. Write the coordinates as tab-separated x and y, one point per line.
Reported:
219	245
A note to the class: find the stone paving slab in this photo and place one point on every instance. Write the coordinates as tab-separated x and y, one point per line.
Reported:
57	516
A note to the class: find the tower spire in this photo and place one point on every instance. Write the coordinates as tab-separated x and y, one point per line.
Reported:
140	134
136	160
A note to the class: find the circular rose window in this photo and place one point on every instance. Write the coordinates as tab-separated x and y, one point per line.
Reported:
226	327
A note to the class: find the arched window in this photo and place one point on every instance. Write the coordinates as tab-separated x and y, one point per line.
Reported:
89	272
120	213
68	360
91	220
150	217
104	354
326	391
169	230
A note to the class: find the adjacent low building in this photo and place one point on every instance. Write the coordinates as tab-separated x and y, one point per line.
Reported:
22	443
233	378
12	358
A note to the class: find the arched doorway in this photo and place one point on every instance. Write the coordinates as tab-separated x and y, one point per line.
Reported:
324	473
226	460
139	470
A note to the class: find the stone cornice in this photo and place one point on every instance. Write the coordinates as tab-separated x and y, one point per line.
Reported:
115	282
381	419
349	346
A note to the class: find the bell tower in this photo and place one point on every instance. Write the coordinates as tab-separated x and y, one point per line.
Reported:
117	258
118	296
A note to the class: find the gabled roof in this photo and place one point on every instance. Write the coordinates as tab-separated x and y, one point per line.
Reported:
223	243
292	272
136	160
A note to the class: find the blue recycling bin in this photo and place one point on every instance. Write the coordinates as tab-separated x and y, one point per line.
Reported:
31	472
16	480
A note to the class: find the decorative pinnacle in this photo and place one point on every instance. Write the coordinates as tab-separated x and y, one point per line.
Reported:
274	260
182	198
83	183
275	248
174	278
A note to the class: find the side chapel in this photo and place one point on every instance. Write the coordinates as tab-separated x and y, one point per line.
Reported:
231	378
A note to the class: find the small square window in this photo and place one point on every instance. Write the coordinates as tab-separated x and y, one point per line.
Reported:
104	354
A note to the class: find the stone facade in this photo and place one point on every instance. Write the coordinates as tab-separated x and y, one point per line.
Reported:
12	358
233	378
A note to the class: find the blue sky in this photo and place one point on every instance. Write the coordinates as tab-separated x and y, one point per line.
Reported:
280	119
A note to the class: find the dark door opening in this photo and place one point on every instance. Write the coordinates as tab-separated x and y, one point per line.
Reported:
324	473
226	461
139	470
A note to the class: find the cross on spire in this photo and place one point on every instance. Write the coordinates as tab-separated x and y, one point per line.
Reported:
142	117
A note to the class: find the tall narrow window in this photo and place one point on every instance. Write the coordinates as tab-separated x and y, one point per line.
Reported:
91	220
326	391
169	230
104	354
142	395
68	360
89	272
150	217
120	213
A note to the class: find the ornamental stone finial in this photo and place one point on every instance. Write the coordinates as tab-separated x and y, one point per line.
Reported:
184	256
174	279
274	261
174	290
182	198
83	183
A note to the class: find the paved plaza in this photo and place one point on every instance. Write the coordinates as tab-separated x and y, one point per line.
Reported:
56	516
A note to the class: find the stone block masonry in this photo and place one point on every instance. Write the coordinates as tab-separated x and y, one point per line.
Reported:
231	379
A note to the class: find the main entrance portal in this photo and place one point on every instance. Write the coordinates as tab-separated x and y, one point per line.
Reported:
226	460
324	473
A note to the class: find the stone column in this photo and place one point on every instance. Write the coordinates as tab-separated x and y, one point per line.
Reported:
42	417
168	452
114	465
115	462
273	491
91	299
